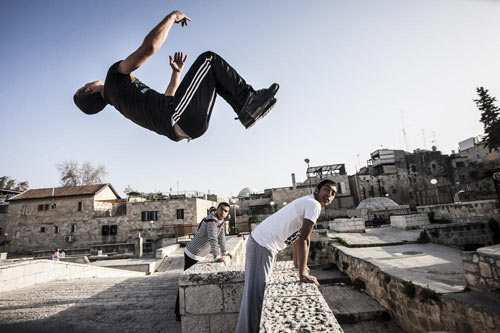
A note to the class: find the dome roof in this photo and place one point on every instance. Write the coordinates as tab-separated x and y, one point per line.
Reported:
245	192
377	203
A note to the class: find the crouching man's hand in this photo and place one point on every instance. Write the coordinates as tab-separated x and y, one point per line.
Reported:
222	259
308	279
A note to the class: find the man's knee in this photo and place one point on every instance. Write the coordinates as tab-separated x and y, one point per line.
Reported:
206	55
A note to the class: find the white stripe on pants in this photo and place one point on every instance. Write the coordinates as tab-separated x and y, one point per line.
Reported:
259	263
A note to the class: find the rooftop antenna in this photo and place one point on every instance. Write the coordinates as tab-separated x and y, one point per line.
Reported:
404	132
423	135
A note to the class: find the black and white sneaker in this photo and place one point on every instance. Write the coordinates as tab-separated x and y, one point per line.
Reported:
257	105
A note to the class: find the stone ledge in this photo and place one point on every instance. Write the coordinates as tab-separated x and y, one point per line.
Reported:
490	251
293	306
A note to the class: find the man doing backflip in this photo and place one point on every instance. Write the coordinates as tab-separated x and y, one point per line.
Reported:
184	110
291	224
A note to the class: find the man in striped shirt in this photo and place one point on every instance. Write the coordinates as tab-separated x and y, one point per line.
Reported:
211	236
184	110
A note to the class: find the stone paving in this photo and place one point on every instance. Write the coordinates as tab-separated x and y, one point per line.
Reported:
377	236
97	305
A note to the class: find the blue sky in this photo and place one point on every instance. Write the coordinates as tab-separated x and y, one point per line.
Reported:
348	70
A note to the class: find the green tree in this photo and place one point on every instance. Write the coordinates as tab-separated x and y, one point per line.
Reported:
490	117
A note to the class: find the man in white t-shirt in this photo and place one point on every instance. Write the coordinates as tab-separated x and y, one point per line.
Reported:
294	222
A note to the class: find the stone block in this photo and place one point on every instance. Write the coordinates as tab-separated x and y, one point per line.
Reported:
475	258
474	268
203	299
12	273
231	295
471	279
3	255
485	270
182	303
223	322
195	324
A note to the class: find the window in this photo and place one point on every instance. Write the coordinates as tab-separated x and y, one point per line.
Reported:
180	213
105	230
4	209
149	216
79	207
56	229
73	228
1	232
45	207
113	230
24	210
460	164
42	229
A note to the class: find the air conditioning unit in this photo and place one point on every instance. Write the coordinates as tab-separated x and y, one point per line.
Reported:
68	239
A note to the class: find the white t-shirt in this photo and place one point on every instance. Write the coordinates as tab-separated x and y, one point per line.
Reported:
283	227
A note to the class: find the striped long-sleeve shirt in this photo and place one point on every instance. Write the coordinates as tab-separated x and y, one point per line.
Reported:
210	236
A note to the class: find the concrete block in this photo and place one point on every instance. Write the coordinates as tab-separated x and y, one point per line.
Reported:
232	294
195	324
223	322
203	299
3	255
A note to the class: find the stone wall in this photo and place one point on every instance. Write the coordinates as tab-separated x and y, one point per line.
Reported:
412	221
210	292
26	236
347	225
415	308
318	251
292	306
461	234
482	269
481	210
20	274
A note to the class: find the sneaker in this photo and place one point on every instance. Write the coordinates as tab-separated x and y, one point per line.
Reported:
257	105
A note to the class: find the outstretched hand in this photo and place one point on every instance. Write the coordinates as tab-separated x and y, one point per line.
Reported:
177	63
180	17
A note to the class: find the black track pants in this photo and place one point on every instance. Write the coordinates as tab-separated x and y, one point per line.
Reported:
194	99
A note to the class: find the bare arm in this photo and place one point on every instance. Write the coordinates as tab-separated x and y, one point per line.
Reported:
303	244
152	42
177	64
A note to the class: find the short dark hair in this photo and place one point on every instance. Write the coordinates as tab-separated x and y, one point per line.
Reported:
224	204
89	103
327	182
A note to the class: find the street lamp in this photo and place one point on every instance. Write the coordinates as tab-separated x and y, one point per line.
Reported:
434	182
307	174
272	206
233	201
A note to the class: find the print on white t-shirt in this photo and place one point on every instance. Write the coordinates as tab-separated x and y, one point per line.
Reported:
283	227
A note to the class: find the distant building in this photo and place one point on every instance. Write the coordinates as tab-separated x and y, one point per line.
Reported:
4	208
81	217
254	207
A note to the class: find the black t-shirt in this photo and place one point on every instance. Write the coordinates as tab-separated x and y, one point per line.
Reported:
139	103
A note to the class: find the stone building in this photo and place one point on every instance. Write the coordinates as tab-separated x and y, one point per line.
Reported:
4	208
254	207
95	216
474	161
